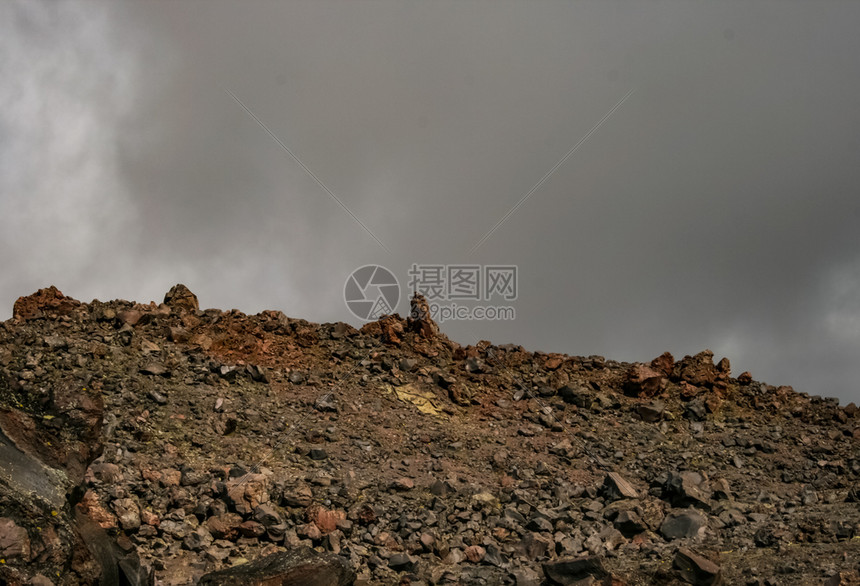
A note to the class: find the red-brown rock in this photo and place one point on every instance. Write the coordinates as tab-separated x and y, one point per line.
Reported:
327	520
665	363
699	370
14	541
48	302
224	526
697	569
644	381
475	553
180	298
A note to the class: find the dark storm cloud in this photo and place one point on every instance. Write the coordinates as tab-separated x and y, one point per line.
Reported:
717	207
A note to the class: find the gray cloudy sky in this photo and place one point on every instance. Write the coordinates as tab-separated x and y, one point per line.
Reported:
718	207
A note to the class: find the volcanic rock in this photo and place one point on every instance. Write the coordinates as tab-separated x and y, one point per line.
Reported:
301	566
698	370
572	570
180	298
683	524
644	381
48	302
697	569
615	487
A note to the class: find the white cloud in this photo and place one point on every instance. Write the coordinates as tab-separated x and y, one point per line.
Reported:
66	85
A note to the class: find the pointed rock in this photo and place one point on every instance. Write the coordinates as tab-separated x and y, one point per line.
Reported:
180	298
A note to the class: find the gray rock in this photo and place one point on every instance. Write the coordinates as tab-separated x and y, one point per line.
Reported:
629	523
684	489
696	409
651	412
540	524
401	562
296	377
267	516
683	524
157	397
198	539
525	576
408	364
327	403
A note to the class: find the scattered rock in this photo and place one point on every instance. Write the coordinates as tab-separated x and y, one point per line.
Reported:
401	562
697	569
696	409
155	369
475	553
651	412
683	489
615	487
573	570
684	524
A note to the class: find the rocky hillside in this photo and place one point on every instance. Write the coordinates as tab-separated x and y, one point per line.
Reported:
158	443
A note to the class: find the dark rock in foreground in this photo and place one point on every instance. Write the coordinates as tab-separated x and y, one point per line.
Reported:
299	567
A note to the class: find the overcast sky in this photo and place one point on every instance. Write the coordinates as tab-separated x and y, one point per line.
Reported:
716	207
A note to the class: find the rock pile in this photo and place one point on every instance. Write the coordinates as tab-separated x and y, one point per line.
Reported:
162	443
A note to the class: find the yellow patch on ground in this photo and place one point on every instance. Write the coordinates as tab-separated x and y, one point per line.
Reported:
424	400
